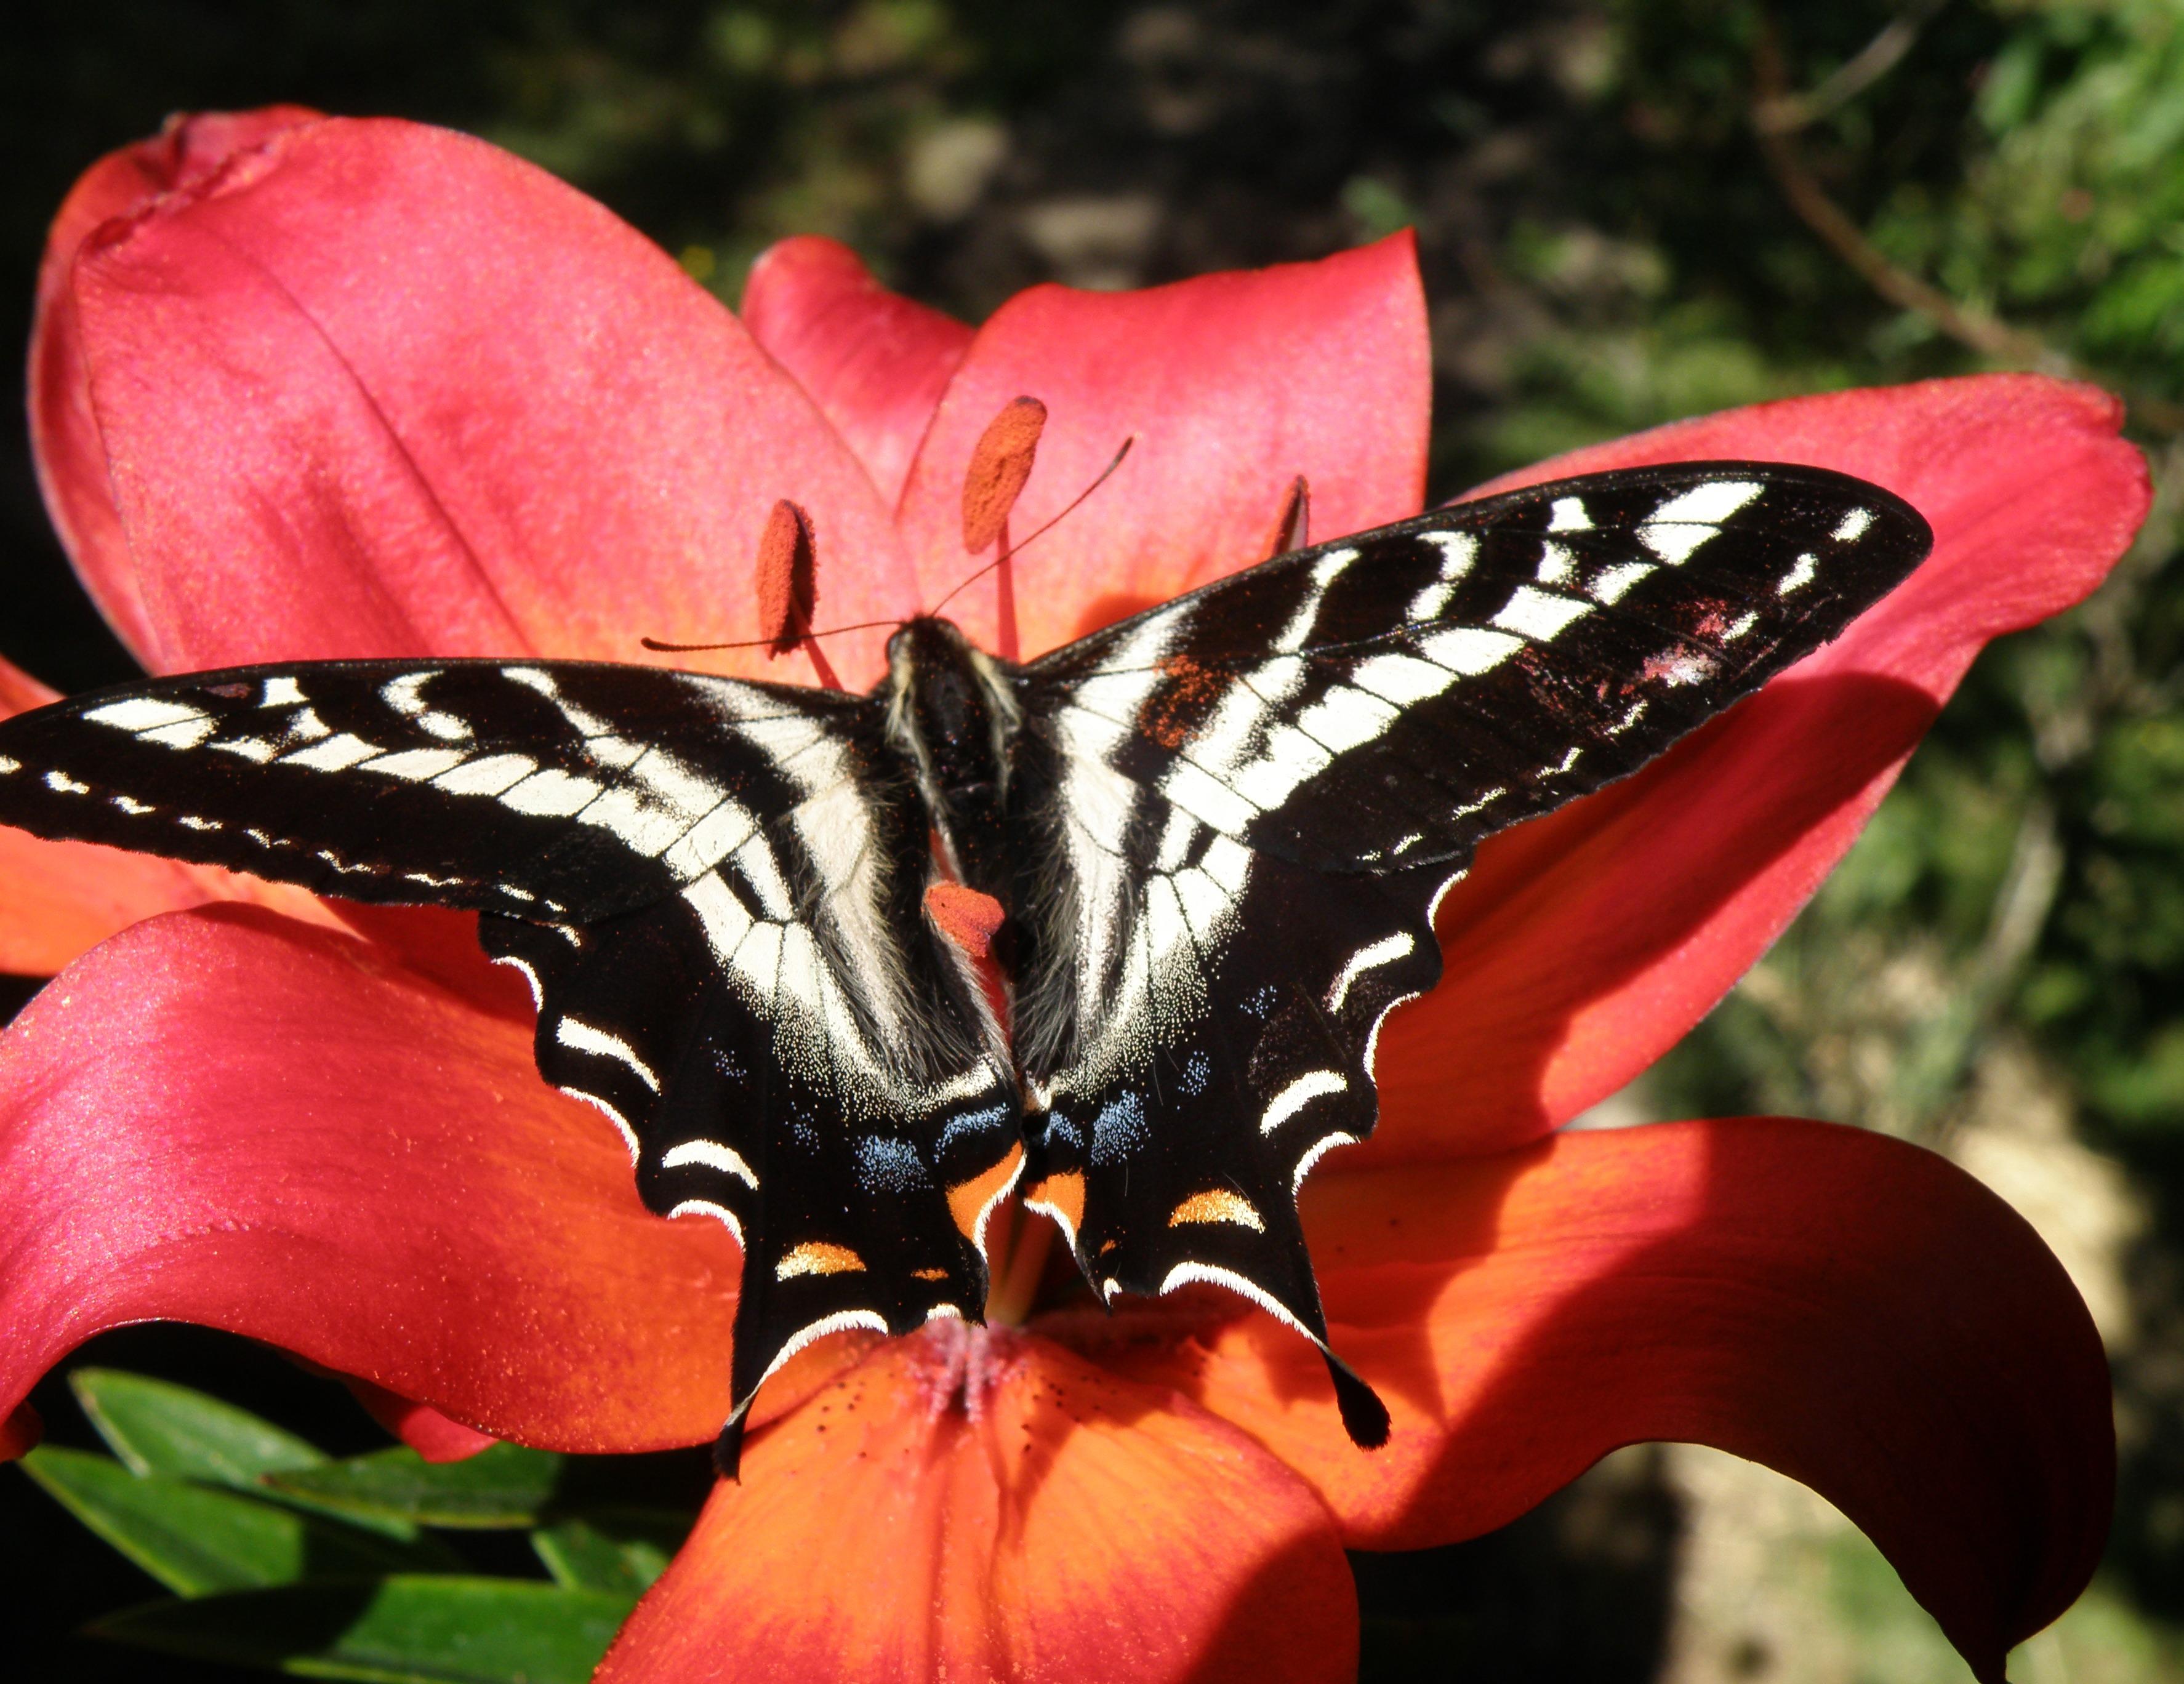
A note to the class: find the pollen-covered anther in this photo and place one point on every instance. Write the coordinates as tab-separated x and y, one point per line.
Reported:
787	578
1292	525
966	917
1000	463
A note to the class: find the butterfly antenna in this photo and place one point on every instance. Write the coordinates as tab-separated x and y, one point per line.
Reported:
1106	473
758	643
1016	550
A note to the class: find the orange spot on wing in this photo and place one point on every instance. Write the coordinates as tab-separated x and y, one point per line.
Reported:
1216	1204
1063	1194
818	1256
1174	710
928	1275
967	1200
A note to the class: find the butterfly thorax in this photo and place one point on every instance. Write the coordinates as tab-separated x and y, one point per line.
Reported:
952	712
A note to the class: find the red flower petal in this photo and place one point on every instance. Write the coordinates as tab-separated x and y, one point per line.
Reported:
20	1432
874	362
1070	1525
63	433
60	899
226	1118
424	1430
1853	1311
1233	385
1584	944
19	691
376	388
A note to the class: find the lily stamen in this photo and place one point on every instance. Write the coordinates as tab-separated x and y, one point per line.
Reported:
787	579
1001	465
1293	528
1010	554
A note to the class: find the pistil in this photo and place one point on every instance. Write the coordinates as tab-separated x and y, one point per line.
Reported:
1016	1279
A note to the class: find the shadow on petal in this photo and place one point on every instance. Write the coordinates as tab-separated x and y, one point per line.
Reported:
1852	1310
1583	943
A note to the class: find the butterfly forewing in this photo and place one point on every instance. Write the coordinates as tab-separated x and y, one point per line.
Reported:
542	790
1252	799
1392	698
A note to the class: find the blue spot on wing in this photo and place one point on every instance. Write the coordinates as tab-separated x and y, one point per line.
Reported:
972	1123
890	1166
1061	1129
1119	1128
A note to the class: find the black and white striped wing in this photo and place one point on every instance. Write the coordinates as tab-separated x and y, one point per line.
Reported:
714	887
557	790
1243	806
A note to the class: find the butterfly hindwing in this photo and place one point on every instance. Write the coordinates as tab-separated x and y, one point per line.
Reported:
759	1078
1248	803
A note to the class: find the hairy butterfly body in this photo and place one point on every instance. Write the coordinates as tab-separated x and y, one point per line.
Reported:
1220	831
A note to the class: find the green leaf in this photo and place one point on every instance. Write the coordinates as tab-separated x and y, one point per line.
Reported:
621	1550
404	1630
157	1427
506	1485
196	1540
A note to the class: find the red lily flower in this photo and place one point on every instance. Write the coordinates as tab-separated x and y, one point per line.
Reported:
312	388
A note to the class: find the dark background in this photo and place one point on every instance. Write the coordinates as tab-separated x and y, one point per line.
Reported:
1607	244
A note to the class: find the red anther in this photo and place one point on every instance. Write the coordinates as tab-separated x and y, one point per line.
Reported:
1293	531
787	578
999	465
966	917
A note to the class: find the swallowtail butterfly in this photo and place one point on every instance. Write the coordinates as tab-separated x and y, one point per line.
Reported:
1219	830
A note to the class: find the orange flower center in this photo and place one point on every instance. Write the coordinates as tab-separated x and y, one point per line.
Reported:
957	1366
